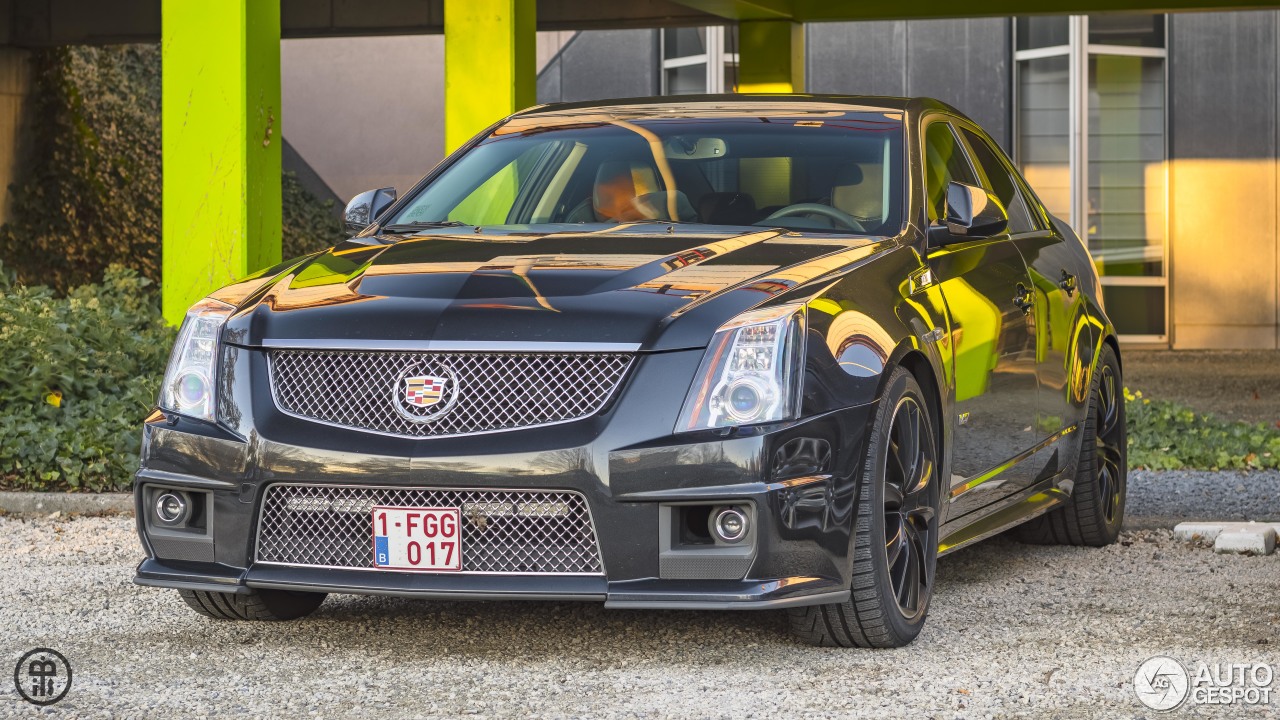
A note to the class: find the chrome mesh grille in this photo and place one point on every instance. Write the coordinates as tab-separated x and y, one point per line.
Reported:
481	391
503	531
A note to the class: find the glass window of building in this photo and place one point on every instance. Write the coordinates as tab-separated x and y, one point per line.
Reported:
699	60
1089	135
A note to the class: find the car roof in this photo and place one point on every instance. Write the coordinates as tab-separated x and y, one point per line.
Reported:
712	105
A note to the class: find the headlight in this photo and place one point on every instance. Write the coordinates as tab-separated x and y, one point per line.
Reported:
751	372
188	387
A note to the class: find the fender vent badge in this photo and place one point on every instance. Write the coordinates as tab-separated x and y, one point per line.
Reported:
921	279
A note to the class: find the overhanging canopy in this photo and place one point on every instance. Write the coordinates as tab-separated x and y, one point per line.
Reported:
40	23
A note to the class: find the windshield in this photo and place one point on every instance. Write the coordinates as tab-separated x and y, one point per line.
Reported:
825	172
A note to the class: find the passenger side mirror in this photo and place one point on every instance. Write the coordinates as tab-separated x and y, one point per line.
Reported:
971	213
366	207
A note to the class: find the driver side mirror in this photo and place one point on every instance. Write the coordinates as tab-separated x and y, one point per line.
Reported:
366	207
971	213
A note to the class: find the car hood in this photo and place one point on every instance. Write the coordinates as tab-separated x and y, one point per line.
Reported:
651	286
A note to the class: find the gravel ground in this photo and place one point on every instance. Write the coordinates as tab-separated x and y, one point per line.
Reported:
1015	631
1232	384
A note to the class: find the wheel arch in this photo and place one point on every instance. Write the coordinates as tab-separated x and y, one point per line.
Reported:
1111	339
917	363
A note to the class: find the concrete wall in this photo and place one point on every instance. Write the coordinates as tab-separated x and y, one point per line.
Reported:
599	64
1224	99
367	112
364	112
962	62
15	87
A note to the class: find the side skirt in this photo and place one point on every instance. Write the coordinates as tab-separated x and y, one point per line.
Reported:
1034	501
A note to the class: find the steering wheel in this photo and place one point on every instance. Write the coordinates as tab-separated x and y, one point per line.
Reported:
826	211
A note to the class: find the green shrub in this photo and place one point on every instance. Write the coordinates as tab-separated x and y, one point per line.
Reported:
1165	435
90	189
77	376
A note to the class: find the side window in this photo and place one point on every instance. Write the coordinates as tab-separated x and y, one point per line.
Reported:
494	201
944	162
1000	183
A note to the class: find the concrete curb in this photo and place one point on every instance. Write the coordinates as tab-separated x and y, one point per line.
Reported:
44	503
1255	538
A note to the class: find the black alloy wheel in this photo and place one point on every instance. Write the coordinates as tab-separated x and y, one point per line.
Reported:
1095	511
1110	458
895	543
909	507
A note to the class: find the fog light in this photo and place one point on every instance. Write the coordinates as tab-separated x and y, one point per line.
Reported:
172	508
729	524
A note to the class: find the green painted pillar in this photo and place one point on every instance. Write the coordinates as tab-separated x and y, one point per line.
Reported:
489	64
221	144
770	56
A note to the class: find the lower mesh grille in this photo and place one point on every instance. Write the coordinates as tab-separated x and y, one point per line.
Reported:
503	531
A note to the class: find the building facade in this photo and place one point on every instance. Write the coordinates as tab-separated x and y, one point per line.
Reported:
1155	136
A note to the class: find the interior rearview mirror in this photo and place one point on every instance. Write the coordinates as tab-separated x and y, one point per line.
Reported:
972	213
366	207
691	147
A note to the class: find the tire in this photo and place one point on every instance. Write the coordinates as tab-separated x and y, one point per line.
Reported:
898	495
1095	511
255	605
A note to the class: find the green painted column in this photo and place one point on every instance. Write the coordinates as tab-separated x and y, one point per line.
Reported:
489	64
770	56
221	144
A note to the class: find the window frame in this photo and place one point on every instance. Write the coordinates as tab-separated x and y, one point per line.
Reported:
1032	217
1079	51
926	123
714	56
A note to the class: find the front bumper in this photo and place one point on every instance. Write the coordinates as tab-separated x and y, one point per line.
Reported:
633	482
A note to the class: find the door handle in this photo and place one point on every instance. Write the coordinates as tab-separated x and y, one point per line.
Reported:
1024	299
1068	283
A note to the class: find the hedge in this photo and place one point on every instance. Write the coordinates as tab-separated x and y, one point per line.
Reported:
78	373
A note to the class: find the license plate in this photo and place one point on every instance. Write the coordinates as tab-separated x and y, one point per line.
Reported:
425	539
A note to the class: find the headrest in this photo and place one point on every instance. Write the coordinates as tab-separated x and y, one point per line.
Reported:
618	183
859	191
727	208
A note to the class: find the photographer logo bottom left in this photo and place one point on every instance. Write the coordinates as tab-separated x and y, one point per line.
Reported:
42	676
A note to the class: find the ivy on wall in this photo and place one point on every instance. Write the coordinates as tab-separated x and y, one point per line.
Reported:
90	192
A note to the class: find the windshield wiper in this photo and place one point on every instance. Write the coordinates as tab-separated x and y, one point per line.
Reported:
420	224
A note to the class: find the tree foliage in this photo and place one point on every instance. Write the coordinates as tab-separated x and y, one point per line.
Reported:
91	190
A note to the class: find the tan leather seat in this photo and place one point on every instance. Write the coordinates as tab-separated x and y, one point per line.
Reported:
618	184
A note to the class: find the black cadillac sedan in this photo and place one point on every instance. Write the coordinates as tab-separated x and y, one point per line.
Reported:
745	352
